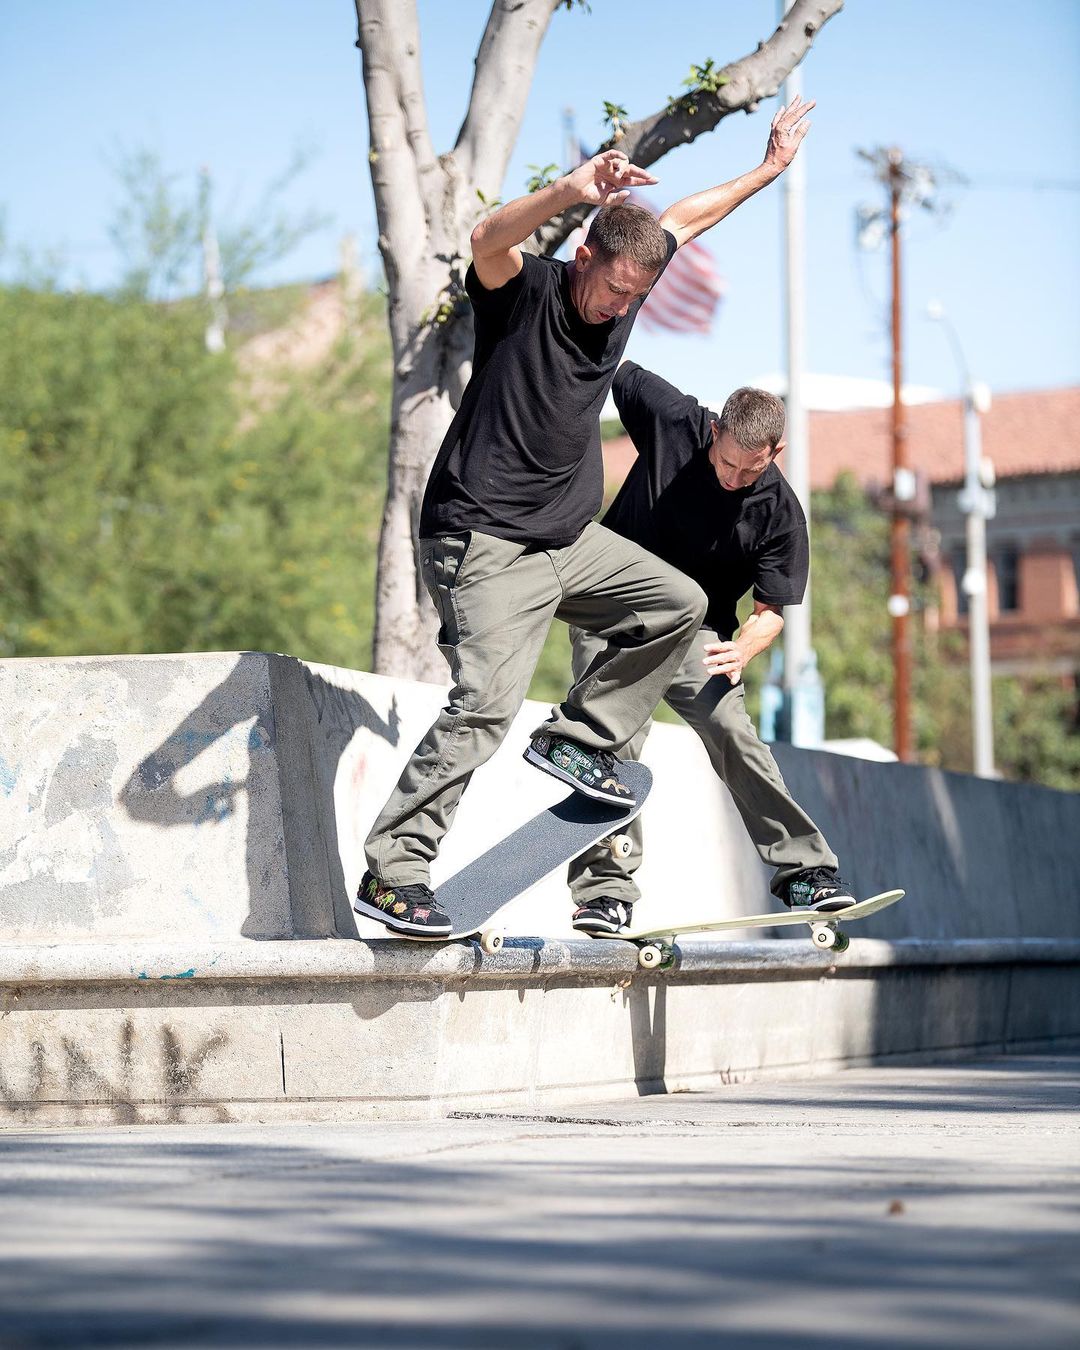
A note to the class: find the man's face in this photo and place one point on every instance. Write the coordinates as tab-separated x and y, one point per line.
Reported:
604	289
738	468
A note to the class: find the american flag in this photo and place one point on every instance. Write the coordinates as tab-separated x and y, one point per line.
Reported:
688	294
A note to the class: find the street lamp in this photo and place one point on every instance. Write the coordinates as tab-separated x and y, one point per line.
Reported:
976	501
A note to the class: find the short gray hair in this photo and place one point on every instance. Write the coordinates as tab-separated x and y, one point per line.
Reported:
754	418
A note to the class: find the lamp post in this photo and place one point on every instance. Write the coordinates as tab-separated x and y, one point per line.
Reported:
976	501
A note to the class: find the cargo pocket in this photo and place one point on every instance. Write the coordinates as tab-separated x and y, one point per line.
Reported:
441	560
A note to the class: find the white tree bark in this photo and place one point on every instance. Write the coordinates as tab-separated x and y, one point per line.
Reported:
427	205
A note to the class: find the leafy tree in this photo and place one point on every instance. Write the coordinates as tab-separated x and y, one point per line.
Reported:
135	515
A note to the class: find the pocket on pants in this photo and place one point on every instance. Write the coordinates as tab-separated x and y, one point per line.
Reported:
441	560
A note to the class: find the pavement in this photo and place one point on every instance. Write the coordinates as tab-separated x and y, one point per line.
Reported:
890	1206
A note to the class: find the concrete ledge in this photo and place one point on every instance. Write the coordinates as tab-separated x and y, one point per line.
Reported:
521	960
350	1029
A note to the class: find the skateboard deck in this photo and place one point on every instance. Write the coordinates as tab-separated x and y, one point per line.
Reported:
657	949
533	851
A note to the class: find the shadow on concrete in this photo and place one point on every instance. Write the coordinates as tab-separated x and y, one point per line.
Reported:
303	724
560	1237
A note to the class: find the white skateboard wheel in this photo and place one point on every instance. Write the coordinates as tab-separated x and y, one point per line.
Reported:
621	845
649	957
491	941
824	936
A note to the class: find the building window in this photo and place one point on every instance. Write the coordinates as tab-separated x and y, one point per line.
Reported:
959	567
1007	570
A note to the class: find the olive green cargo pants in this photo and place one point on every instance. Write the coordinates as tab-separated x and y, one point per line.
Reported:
783	834
496	601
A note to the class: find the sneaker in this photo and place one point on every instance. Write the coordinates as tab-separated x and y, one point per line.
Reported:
592	772
604	914
404	909
821	888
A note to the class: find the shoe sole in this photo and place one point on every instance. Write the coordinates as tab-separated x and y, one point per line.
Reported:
824	907
539	762
597	928
398	925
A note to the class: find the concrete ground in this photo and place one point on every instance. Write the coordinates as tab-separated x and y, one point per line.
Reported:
878	1207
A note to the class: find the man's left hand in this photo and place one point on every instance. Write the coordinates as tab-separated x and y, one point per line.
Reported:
725	658
786	133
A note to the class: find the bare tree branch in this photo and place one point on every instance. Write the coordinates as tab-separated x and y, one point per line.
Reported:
746	82
405	172
504	66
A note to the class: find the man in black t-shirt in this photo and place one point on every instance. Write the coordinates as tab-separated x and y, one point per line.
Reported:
706	496
507	537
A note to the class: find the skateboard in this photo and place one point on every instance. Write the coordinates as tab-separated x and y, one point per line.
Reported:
473	896
656	947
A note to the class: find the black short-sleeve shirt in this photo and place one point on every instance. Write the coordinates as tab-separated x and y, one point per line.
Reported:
521	459
673	504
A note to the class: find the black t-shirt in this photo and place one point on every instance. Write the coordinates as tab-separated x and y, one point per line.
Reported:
521	459
673	504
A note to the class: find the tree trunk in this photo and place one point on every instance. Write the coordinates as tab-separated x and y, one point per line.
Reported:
427	207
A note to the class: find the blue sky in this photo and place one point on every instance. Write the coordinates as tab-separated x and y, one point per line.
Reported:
986	86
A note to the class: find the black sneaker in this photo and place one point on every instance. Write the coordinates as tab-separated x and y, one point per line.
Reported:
820	888
592	772
404	909
604	914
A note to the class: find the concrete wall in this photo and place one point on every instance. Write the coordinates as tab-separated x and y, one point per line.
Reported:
228	795
159	813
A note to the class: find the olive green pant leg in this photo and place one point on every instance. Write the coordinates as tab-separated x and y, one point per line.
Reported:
645	612
495	603
783	834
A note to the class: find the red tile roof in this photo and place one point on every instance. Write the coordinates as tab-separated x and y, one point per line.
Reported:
1029	433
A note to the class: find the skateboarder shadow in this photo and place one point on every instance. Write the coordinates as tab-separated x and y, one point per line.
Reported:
305	725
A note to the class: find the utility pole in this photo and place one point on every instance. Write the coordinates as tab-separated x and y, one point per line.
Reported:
977	502
903	492
907	184
803	715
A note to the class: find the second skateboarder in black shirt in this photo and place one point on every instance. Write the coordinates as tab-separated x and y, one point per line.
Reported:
706	496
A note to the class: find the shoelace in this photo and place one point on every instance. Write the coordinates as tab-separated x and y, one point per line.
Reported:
606	762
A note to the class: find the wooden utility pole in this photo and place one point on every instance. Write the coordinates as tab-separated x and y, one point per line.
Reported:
907	184
903	492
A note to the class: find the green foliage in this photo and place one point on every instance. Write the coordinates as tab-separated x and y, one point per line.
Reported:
615	115
136	516
159	225
703	79
542	176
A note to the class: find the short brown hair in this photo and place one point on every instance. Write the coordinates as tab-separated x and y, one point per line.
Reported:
628	232
754	418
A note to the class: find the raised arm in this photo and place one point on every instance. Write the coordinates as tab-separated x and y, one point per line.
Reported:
694	215
604	180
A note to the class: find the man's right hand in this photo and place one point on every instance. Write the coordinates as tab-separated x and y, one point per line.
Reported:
606	179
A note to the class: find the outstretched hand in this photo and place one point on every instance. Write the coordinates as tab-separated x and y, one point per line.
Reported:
606	179
787	131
